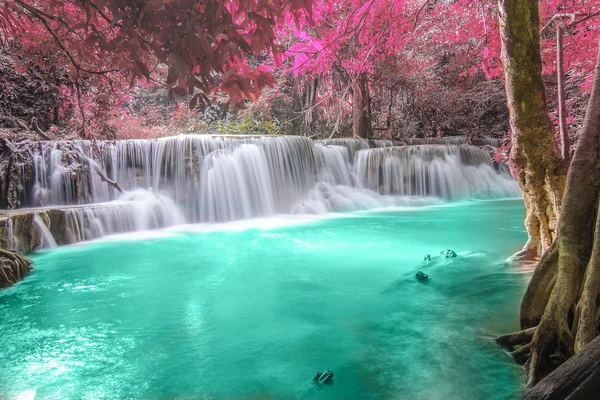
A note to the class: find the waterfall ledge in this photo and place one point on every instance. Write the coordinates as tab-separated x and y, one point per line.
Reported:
56	195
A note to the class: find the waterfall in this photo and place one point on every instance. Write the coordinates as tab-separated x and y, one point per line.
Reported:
204	178
355	144
448	172
46	238
134	211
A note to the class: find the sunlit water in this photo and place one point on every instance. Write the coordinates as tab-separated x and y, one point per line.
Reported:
254	313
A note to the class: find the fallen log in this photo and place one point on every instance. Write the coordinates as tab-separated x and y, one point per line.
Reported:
577	379
100	172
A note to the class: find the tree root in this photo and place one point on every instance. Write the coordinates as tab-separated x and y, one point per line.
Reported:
529	252
13	268
550	346
576	379
562	297
521	354
38	130
586	320
539	289
516	338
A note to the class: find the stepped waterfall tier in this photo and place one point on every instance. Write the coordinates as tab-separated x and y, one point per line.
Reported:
448	172
71	191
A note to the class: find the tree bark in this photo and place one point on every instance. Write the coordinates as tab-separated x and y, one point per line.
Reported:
565	142
308	99
534	161
577	379
361	108
562	298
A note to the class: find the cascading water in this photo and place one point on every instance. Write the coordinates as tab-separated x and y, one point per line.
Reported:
447	172
354	144
137	210
47	240
203	178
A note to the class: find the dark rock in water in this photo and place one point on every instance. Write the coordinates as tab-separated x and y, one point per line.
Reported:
327	376
427	258
449	253
324	378
421	276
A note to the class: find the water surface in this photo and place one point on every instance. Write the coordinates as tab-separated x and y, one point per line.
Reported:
255	313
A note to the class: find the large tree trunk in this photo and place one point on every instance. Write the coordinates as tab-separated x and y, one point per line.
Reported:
308	101
534	161
577	379
562	298
361	108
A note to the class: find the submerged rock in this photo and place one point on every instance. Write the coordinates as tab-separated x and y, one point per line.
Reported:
449	253
324	378
422	276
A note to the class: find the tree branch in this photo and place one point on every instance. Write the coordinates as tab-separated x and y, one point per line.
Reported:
37	129
43	17
572	16
99	171
419	13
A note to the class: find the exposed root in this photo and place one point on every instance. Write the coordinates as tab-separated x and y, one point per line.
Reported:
38	130
521	354
576	379
516	338
562	298
551	345
13	268
539	289
586	320
529	252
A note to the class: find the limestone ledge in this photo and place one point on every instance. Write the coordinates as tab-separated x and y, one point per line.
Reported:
20	232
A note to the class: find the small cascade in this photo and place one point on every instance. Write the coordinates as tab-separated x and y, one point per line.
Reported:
325	198
447	172
214	178
355	144
29	230
134	211
46	238
333	164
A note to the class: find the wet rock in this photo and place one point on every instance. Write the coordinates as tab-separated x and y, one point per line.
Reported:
422	276
324	378
449	253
